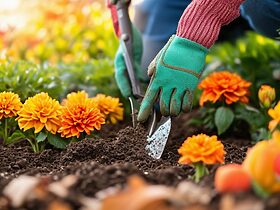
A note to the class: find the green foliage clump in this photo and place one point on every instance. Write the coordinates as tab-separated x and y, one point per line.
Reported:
26	79
95	76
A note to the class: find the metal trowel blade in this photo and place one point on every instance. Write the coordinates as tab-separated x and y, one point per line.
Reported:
157	140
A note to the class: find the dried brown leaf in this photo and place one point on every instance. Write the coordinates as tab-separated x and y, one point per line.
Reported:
19	190
229	202
196	207
59	205
194	194
4	203
141	196
61	188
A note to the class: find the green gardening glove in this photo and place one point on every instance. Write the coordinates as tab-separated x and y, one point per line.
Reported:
175	72
121	74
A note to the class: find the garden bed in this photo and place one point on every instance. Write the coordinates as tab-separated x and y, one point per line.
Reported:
108	160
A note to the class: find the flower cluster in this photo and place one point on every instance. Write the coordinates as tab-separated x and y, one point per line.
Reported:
224	86
76	114
79	114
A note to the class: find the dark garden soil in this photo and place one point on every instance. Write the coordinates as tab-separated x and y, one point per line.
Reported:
108	160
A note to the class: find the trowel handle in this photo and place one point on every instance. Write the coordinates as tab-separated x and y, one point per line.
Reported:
126	41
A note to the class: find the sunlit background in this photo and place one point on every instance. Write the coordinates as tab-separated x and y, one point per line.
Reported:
56	30
16	13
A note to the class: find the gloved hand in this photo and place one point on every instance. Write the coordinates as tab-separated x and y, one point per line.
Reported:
175	72
121	74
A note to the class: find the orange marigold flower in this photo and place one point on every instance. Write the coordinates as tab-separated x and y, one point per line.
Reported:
38	112
202	148
79	114
110	107
225	86
275	115
9	104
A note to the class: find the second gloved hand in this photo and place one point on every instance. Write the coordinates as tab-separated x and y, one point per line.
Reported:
121	74
175	73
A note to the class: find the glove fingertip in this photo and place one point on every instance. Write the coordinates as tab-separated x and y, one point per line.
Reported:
143	114
146	106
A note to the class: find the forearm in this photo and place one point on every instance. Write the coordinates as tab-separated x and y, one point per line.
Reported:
202	19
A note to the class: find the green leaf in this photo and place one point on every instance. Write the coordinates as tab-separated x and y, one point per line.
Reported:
15	137
41	137
250	114
223	119
260	134
57	141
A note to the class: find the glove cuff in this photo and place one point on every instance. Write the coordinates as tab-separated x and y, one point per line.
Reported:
202	19
178	50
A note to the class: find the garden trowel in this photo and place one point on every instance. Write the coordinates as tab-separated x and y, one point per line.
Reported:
158	126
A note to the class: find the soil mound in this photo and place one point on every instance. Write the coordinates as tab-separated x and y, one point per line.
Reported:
108	160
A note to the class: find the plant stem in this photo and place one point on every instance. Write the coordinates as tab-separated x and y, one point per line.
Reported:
200	171
5	137
35	145
74	139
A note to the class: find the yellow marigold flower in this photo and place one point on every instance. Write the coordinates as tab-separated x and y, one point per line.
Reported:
202	148
225	86
9	104
262	164
276	136
110	107
275	115
266	95
79	114
75	98
38	112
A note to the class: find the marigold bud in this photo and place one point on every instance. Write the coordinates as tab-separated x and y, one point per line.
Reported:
266	95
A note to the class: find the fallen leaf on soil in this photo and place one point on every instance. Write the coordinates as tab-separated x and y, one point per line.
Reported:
89	203
21	189
229	202
59	205
196	207
193	194
26	188
140	196
61	188
4	203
